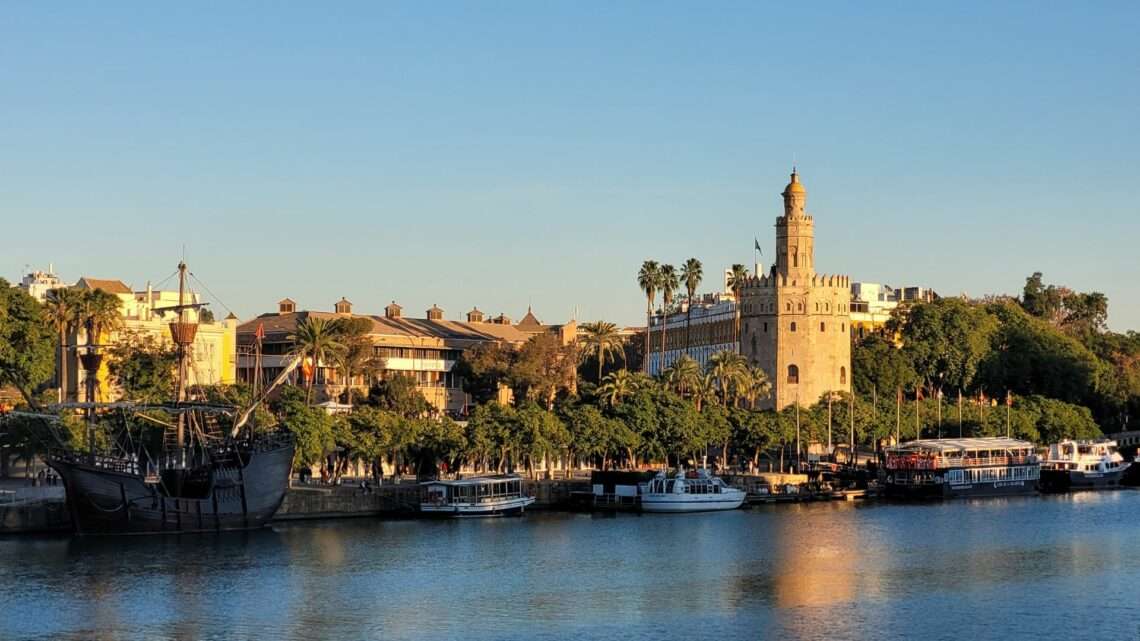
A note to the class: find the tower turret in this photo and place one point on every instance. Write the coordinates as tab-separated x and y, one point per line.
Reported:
795	234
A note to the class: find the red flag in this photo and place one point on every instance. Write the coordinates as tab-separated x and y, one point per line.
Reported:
1009	399
260	333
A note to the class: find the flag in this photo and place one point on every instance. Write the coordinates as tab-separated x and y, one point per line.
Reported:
1009	399
757	242
260	333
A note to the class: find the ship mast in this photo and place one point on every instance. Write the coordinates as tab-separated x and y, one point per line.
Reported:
182	333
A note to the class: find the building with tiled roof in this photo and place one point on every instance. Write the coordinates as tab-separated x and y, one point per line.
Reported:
424	349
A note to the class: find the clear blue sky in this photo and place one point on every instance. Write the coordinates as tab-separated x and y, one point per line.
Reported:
500	154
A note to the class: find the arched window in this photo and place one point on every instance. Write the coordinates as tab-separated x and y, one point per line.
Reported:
822	327
789	307
843	327
793	375
792	327
842	375
799	307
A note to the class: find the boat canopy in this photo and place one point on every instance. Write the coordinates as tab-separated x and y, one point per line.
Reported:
950	446
476	480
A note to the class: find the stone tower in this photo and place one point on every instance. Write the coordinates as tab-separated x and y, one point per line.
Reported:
794	322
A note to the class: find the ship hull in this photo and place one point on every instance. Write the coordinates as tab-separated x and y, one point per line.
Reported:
938	491
1069	480
240	496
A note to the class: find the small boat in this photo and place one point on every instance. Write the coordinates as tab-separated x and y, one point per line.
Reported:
499	495
960	468
1082	465
693	491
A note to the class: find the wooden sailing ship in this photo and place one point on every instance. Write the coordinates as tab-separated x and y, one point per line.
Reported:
207	478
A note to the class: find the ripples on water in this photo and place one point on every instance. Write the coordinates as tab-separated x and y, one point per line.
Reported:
1026	568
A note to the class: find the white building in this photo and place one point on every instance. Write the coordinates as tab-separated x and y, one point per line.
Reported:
38	283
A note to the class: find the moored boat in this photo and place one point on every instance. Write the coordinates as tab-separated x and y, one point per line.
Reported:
499	495
1082	465
959	468
693	491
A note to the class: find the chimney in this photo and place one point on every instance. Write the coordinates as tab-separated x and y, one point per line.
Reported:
392	310
435	313
343	306
286	306
474	316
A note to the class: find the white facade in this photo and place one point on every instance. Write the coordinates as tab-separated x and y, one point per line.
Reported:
38	283
710	329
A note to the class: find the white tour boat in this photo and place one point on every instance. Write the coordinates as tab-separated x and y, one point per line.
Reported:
1082	465
694	491
497	495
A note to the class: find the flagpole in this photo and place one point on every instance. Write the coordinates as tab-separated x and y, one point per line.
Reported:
959	412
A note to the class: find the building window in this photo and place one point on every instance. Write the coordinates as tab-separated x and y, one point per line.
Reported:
842	375
765	328
822	327
843	327
793	375
788	306
799	307
793	326
754	343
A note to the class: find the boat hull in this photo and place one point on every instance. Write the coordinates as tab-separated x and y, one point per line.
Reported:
240	497
514	507
938	491
1069	480
682	503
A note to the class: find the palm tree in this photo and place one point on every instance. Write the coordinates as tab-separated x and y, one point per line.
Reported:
691	273
617	386
728	369
669	283
63	309
648	278
317	339
682	375
758	385
736	282
357	357
602	341
98	312
703	389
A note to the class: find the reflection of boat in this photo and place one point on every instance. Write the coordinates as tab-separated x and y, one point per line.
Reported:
965	467
208	478
498	495
694	491
1075	465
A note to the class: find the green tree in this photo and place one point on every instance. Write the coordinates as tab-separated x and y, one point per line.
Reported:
691	274
26	343
668	281
602	341
648	279
144	368
318	340
401	395
617	386
737	279
484	369
946	341
878	367
729	370
312	427
63	308
357	357
542	368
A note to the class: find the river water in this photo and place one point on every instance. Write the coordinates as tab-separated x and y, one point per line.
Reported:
1026	568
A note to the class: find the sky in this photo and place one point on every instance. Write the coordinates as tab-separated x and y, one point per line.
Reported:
535	153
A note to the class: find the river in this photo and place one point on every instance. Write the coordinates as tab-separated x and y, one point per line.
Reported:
1027	568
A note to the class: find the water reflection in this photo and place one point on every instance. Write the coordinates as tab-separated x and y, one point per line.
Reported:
809	571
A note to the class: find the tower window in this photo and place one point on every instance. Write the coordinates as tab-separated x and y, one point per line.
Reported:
822	328
754	344
843	327
765	328
842	375
793	375
788	307
792	327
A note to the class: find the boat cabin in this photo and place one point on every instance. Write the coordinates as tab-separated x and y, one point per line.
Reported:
474	496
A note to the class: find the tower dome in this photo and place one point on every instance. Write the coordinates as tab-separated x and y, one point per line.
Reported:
794	187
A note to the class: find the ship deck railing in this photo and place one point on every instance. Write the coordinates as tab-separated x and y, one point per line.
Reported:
950	462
